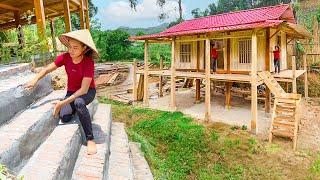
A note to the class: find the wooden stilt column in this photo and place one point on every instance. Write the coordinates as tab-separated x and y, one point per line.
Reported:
134	81
173	105
161	80
81	15
294	78
207	77
306	93
267	68
146	74
198	80
228	84
19	28
87	15
254	93
41	23
53	35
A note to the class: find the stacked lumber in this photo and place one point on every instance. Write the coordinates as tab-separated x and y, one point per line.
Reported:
108	74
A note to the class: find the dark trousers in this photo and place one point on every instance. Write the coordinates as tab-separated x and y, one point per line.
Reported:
79	106
214	64
276	65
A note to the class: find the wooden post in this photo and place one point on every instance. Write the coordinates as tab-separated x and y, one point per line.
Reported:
41	23
87	15
207	77
254	93
146	74
228	94
267	68
53	35
306	89
161	80
134	81
228	84
198	96
66	11
294	78
81	14
19	28
173	105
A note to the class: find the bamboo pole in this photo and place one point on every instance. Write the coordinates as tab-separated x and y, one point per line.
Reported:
207	77
146	71
254	93
173	105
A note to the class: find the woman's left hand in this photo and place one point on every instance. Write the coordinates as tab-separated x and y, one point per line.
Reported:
57	108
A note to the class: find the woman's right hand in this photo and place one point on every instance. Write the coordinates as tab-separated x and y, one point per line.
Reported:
31	84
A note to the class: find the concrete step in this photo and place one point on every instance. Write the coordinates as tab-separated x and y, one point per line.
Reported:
96	166
15	98
120	165
56	157
26	131
141	169
11	69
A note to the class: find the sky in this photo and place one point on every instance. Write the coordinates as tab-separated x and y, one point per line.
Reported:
115	13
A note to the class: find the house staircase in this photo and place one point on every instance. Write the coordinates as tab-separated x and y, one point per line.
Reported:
285	116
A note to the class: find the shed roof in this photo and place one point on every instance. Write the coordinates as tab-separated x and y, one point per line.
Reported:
270	16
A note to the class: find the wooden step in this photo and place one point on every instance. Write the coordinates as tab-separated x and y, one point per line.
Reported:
284	124
283	133
282	118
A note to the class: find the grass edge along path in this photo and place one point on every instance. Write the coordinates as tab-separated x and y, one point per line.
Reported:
178	147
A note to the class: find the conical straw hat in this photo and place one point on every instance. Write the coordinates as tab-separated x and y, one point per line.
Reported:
83	36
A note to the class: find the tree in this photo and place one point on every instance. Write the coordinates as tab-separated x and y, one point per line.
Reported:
160	3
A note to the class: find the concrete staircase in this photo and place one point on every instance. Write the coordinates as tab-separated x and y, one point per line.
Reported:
35	145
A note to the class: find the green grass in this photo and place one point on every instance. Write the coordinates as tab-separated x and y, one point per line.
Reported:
177	147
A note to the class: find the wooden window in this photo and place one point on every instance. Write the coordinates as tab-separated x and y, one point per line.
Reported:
245	51
185	53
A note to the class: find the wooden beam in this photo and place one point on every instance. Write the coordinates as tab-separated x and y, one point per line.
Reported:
8	7
67	17
134	81
87	15
173	105
207	77
146	75
306	89
40	17
81	14
19	28
294	78
161	79
53	35
267	68
254	93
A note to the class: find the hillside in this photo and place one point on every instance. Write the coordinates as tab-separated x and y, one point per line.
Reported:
149	30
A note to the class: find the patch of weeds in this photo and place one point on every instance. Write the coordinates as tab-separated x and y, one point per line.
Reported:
214	136
232	143
244	127
234	128
315	168
273	148
252	143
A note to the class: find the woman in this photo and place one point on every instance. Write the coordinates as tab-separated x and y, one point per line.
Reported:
276	60
79	66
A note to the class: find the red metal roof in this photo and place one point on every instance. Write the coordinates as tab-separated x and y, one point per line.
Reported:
247	19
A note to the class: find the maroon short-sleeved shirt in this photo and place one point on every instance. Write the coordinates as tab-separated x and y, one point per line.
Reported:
76	72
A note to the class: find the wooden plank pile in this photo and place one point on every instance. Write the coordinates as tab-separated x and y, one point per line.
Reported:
108	74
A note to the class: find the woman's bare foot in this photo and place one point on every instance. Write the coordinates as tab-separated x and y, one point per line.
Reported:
92	148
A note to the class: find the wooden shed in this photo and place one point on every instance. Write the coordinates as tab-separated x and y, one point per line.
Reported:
15	14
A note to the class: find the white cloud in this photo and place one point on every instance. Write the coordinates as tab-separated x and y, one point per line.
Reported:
120	12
